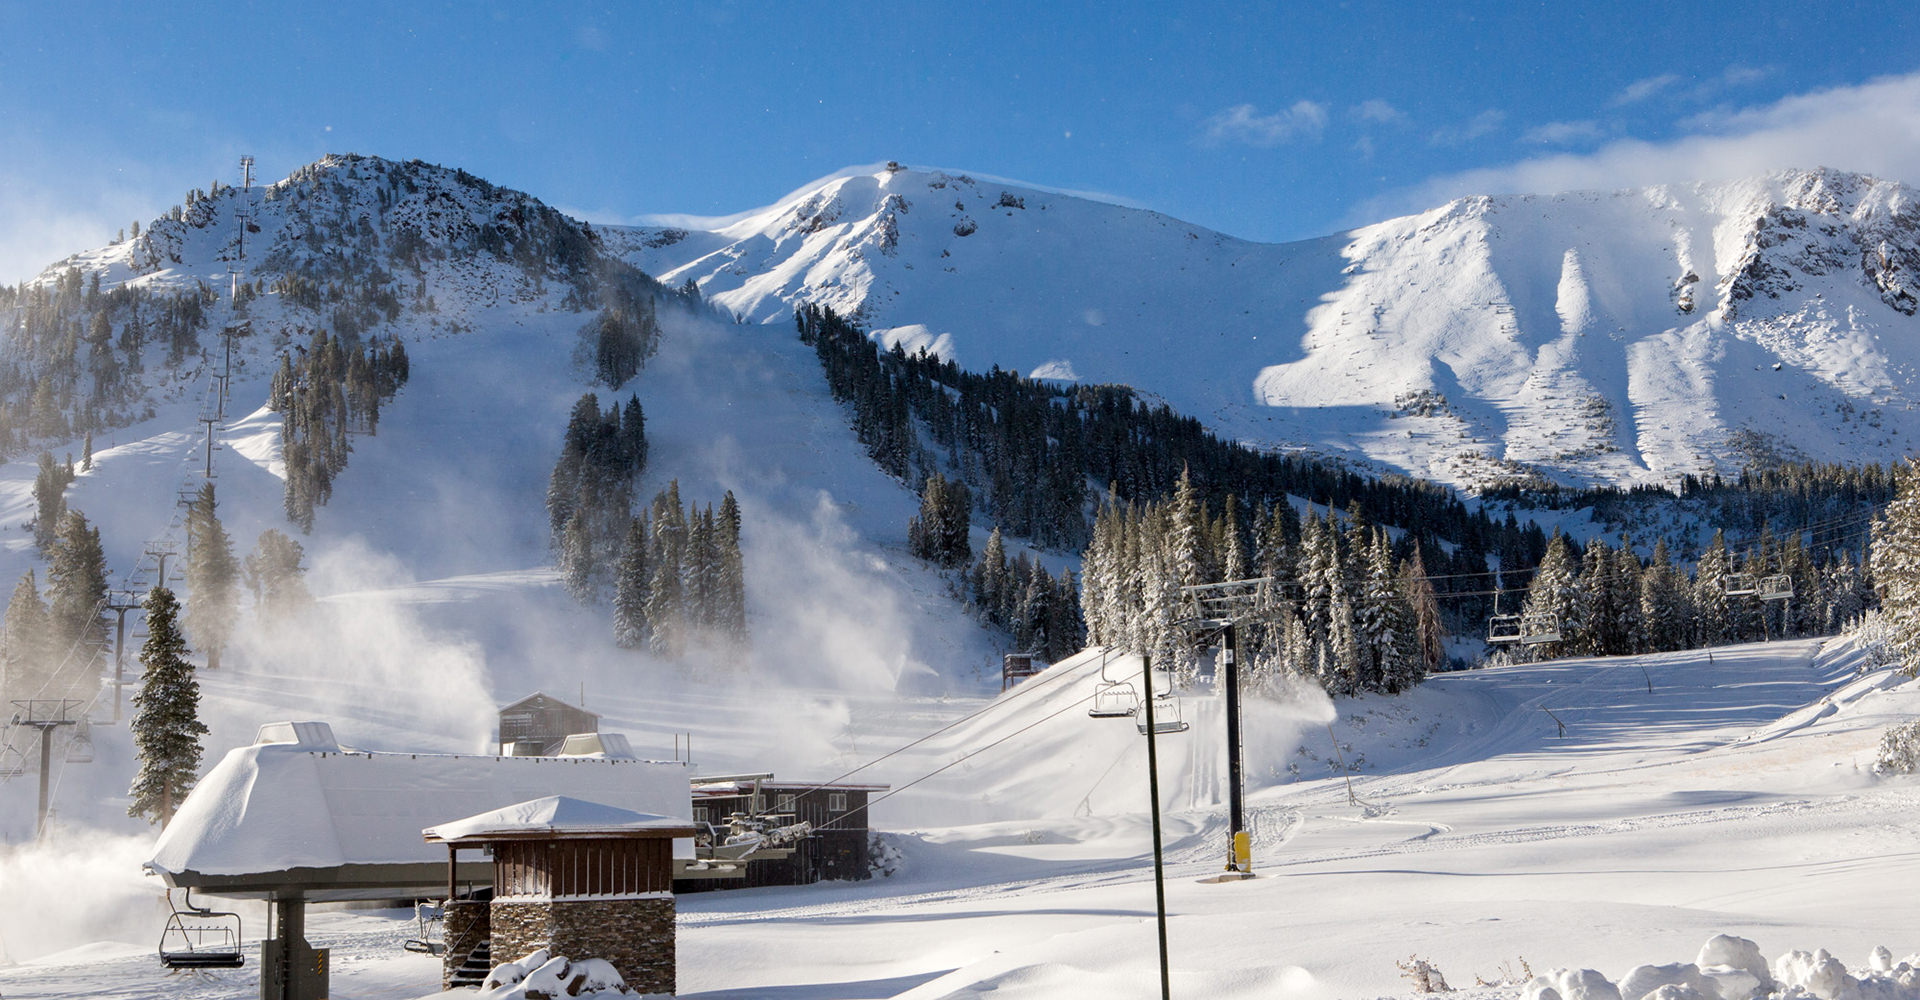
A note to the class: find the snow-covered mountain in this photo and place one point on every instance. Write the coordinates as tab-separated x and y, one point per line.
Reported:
1622	337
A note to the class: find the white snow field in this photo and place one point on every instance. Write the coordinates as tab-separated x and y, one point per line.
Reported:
1736	797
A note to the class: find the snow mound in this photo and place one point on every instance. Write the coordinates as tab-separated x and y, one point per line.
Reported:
540	976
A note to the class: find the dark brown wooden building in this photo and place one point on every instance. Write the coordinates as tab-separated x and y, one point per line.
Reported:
834	848
577	878
539	724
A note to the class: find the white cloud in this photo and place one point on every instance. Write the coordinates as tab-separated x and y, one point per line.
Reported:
1479	126
1640	90
1872	127
1305	120
1378	111
1562	133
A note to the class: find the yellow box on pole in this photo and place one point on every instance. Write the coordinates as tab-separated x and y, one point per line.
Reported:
1243	852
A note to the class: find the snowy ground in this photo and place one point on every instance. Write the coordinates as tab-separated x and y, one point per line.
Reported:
1735	797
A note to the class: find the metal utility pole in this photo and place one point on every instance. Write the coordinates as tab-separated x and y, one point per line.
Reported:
1217	609
46	715
120	648
1153	791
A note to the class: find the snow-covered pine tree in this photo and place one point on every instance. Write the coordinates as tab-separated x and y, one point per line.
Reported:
166	726
1895	565
632	582
576	559
1713	620
1554	596
1375	643
1184	537
213	577
1665	601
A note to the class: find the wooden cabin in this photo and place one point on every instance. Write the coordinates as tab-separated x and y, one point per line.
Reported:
539	724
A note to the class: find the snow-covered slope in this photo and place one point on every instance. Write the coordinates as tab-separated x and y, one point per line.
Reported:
1621	337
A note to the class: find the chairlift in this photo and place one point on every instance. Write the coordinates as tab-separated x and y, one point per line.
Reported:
13	763
1739	585
1502	629
80	744
1113	699
1166	712
430	916
1777	587
200	938
1539	627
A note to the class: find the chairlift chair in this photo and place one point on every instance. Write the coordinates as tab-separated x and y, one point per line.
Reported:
1113	699
80	744
1739	585
430	916
1777	587
1539	627
1167	717
1503	629
200	938
13	763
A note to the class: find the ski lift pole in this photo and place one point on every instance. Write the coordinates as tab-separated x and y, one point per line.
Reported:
1239	848
1153	791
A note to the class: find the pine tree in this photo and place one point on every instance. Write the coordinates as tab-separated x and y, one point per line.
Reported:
77	589
1713	620
732	585
576	559
28	651
1553	599
213	591
166	725
274	576
1895	565
1664	603
1430	633
632	582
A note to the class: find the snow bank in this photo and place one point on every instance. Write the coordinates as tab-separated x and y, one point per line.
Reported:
1731	968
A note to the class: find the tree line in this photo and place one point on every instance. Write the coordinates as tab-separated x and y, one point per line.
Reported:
324	392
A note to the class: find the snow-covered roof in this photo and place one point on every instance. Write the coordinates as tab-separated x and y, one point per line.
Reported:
560	814
280	818
612	745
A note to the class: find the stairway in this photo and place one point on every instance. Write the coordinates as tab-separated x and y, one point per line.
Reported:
473	971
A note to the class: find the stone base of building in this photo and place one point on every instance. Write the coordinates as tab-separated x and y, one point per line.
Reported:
464	924
635	935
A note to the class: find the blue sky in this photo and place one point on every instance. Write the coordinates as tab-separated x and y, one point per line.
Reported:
1278	123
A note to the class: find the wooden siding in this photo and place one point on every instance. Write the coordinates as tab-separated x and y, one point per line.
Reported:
583	867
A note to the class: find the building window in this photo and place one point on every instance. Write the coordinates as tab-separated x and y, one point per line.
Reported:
699	814
783	803
837	802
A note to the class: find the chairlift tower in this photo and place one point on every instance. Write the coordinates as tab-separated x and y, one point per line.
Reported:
1217	608
120	609
46	715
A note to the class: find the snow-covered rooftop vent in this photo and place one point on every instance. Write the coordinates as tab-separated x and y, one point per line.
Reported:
609	745
305	735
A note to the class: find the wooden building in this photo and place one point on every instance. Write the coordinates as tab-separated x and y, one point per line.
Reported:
573	877
834	845
539	724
